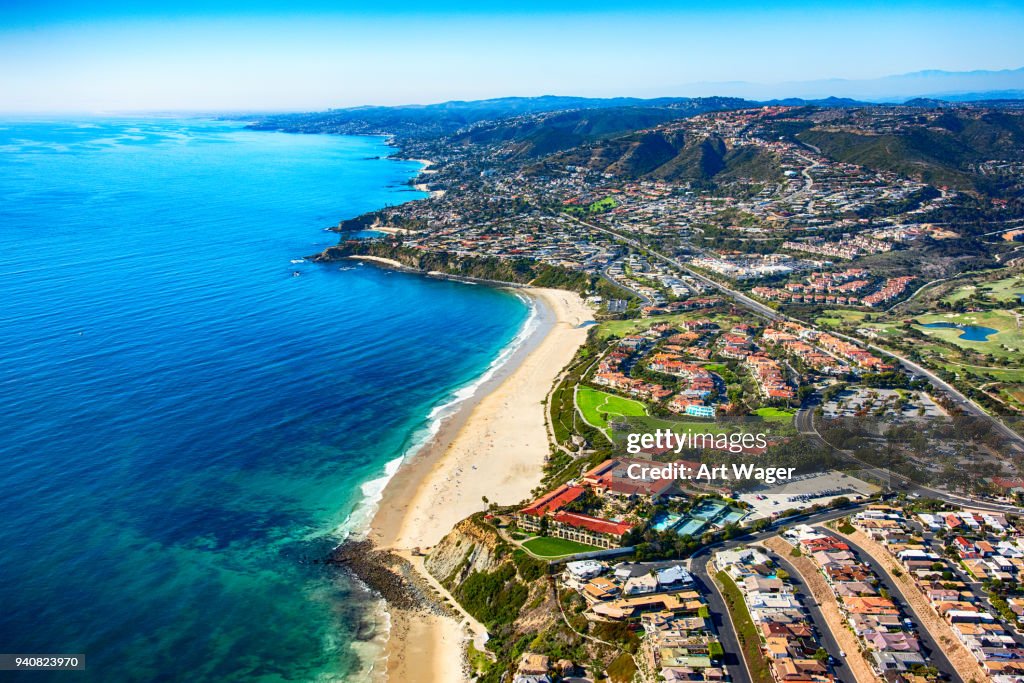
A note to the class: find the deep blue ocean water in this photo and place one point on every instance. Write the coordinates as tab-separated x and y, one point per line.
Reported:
183	420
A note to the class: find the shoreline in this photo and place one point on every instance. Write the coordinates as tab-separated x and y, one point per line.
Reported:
494	445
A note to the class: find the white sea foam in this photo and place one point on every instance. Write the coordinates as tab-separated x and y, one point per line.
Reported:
358	522
373	654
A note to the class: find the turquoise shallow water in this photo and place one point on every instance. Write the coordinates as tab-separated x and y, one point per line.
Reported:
183	420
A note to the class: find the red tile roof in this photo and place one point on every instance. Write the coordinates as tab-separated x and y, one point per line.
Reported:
553	500
600	526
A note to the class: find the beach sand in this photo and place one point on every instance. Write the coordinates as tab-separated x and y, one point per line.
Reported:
495	448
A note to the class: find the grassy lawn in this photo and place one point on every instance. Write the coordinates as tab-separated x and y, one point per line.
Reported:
746	632
596	406
1001	374
1008	341
771	414
600	206
884	329
543	546
606	204
838	316
622	328
1006	290
960	293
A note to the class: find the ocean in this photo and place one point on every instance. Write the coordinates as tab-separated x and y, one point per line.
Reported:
190	411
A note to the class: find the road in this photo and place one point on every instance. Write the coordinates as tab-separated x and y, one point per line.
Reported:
733	658
976	588
608	278
968	406
739	297
824	633
929	648
804	422
699	567
965	404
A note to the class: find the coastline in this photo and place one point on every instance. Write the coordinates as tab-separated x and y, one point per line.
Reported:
424	187
494	445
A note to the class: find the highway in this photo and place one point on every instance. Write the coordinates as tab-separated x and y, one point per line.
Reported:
804	421
739	297
962	402
966	404
969	407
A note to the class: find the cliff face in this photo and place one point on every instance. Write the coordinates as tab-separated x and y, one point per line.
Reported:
518	271
500	585
469	547
513	595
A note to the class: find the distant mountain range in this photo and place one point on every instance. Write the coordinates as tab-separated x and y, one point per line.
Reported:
938	139
962	86
921	88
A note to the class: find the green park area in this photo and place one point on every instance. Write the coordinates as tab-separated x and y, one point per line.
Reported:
995	332
597	406
1008	290
838	316
772	414
623	328
600	206
544	546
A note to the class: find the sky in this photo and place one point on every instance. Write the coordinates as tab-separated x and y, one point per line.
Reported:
229	55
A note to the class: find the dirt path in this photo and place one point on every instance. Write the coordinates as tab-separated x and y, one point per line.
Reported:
829	605
962	660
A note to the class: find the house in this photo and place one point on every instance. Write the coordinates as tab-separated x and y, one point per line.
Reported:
700	410
584	569
896	662
761	584
869	605
636	585
674	576
599	589
800	670
533	664
892	642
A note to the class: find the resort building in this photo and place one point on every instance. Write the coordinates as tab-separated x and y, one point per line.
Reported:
573	526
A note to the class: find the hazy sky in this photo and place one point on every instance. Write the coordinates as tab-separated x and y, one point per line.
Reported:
234	55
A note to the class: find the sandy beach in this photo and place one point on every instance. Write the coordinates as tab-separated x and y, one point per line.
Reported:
495	448
426	170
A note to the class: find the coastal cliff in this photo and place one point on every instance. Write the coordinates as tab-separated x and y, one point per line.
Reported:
513	595
519	271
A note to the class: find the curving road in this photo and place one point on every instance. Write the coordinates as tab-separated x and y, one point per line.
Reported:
1015	440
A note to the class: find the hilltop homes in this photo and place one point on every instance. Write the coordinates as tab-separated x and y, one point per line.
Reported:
787	638
884	631
980	545
679	641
